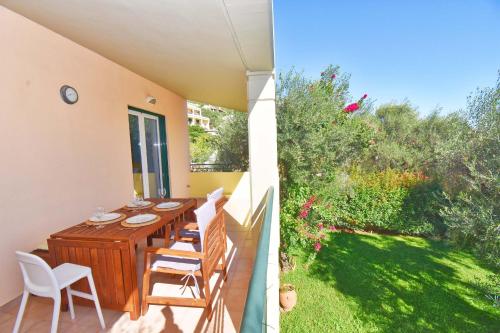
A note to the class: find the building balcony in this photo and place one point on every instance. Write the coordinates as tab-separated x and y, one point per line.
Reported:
126	134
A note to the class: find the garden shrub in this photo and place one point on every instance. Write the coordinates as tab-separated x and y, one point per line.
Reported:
386	201
389	200
302	226
289	218
473	222
200	144
471	212
386	170
420	213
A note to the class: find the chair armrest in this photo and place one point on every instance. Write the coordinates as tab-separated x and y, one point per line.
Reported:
175	253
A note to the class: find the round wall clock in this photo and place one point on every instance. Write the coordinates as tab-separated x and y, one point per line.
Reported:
69	94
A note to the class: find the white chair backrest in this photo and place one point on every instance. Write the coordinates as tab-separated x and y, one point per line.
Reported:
216	195
204	215
37	275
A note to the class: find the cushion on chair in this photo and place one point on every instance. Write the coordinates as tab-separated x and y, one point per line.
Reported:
204	215
189	233
185	246
188	225
179	263
216	195
186	233
188	229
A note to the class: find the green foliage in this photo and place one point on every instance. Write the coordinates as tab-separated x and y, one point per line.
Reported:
473	222
216	117
386	201
378	202
201	144
388	170
315	136
289	221
472	209
399	121
228	144
232	140
195	132
420	213
407	143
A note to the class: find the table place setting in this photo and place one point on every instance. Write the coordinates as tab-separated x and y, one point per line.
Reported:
101	218
166	206
140	220
139	203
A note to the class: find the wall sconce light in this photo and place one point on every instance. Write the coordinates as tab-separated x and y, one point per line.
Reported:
151	100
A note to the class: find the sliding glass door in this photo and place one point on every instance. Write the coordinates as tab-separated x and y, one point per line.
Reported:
148	146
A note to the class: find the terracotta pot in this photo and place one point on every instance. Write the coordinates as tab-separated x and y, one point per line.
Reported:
288	297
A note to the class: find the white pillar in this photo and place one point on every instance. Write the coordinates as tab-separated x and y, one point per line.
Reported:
263	154
263	160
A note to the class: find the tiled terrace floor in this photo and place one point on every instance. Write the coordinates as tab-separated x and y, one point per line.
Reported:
228	304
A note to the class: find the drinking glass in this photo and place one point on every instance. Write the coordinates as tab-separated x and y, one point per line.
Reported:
162	192
99	214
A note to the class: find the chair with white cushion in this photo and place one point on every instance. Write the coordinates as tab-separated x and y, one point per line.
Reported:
216	194
190	260
188	230
43	281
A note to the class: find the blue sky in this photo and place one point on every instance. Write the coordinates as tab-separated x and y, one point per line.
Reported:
433	52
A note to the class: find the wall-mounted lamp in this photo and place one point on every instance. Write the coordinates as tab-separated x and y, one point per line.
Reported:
151	100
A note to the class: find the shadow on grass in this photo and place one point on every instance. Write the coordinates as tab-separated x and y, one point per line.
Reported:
405	284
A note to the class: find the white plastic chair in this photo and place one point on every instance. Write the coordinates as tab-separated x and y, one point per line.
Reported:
41	280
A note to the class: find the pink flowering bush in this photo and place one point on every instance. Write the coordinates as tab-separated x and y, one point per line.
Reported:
355	106
351	108
304	212
302	226
314	136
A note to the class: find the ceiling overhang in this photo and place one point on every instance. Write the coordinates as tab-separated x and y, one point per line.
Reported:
199	49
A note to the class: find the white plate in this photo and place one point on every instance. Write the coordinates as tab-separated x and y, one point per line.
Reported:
105	218
168	205
140	204
141	218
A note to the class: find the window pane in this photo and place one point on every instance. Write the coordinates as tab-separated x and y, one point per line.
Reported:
154	161
135	144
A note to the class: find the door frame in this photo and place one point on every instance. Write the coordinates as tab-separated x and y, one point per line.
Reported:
163	148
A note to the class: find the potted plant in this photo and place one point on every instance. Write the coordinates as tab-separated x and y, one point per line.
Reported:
288	297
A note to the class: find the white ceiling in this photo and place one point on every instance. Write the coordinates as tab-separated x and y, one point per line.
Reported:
200	49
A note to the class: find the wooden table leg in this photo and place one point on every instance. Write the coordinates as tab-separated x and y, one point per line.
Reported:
168	231
135	313
64	301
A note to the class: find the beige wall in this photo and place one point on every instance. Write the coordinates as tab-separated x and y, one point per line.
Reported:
236	185
59	161
201	183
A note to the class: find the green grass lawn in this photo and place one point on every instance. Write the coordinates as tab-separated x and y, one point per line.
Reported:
374	283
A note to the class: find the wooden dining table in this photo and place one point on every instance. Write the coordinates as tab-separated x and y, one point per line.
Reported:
110	251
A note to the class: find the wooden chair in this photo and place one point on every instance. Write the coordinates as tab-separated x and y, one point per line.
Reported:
189	260
161	233
187	230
